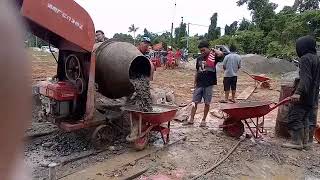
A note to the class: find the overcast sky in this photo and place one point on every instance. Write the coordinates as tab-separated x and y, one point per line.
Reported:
115	16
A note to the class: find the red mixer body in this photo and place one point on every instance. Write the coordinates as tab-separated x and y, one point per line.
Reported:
68	99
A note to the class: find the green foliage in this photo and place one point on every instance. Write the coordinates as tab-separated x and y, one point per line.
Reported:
251	41
270	33
180	32
123	37
133	29
305	5
231	30
244	25
214	32
262	12
193	43
164	38
33	41
275	49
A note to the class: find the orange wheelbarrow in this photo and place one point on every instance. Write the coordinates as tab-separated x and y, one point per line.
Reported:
260	80
251	113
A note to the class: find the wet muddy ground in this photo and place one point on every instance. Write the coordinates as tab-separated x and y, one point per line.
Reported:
202	148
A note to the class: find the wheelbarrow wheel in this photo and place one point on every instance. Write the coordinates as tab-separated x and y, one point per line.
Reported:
103	135
233	129
141	143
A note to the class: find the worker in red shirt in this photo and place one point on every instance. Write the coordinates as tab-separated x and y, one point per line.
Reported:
170	58
178	56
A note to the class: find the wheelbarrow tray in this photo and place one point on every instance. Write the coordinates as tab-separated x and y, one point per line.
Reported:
260	78
150	121
159	115
246	110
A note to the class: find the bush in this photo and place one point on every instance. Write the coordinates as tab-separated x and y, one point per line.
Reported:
275	49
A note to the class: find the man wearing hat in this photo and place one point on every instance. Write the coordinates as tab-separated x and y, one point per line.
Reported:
143	47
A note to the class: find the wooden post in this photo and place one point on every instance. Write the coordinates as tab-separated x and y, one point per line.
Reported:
281	128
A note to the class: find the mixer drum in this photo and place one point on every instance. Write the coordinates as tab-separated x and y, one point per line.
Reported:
116	64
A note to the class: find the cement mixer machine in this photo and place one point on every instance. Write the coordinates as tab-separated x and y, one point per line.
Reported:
68	100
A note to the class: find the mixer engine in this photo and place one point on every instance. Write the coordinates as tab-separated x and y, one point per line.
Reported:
63	97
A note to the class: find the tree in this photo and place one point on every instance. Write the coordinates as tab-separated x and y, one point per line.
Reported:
33	41
164	38
213	31
262	12
244	25
287	10
274	34
231	30
133	29
180	32
146	33
123	38
304	5
152	36
251	41
193	43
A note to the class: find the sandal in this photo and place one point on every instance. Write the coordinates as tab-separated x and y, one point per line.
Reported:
233	101
223	101
187	123
203	124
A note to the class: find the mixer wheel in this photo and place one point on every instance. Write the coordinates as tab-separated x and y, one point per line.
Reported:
72	67
103	135
232	128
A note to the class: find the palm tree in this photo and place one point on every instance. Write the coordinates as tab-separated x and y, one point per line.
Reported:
133	29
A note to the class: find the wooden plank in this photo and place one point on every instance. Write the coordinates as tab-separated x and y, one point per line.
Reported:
245	94
98	171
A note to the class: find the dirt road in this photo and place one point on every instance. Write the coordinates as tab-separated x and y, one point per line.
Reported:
263	159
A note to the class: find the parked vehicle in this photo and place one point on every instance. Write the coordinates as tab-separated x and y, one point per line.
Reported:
223	48
49	50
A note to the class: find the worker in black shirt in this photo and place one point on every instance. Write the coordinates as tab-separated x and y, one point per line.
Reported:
205	79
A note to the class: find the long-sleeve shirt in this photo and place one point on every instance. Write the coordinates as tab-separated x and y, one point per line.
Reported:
309	74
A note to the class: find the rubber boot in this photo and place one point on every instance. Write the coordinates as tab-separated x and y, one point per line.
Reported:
305	139
296	140
310	139
311	134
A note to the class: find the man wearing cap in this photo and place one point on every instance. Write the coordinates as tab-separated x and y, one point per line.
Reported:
143	47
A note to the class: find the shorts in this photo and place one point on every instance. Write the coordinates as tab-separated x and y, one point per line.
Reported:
230	83
204	93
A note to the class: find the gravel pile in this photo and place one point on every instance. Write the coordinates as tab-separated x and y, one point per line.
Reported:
289	77
260	64
65	144
256	64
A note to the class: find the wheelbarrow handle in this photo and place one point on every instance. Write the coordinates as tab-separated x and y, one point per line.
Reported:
284	101
246	72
